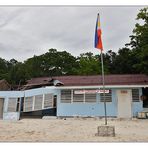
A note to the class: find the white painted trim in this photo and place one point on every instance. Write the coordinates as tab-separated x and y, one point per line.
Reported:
16	99
84	98
43	101
72	96
33	103
24	107
52	99
99	86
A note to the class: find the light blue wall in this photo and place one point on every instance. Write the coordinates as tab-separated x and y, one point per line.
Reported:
74	109
88	109
10	94
19	94
38	91
96	109
137	106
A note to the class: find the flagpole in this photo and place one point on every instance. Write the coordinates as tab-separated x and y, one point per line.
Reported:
98	45
103	88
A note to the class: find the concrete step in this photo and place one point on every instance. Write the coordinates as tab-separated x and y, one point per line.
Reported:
49	117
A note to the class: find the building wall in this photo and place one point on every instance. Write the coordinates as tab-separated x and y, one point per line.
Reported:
20	94
137	106
88	109
95	109
70	109
6	95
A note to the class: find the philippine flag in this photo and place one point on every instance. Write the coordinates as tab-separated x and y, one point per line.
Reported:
98	40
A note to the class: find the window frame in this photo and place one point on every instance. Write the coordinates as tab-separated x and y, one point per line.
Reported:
83	96
135	98
13	104
66	99
106	96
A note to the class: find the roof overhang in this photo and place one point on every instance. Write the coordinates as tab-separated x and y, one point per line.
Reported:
100	86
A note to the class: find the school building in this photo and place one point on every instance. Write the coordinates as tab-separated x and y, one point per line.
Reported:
68	96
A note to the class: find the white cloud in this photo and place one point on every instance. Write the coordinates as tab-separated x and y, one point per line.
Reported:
25	31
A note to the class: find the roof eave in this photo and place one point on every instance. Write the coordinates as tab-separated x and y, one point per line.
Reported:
100	86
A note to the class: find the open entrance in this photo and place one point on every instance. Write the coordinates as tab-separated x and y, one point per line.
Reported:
39	106
145	97
52	111
1	107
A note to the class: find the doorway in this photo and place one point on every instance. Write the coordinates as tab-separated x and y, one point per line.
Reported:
1	107
52	111
124	103
145	97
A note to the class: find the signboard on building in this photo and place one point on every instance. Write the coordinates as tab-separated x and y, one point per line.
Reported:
99	91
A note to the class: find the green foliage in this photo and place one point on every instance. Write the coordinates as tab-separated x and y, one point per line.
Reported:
18	74
139	42
88	64
123	62
58	63
3	66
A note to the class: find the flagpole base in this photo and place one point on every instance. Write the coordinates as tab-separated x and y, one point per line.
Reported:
105	131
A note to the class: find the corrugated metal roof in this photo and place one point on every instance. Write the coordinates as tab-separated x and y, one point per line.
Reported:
128	79
4	85
38	81
1	81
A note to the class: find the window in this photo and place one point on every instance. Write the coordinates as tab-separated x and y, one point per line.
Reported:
38	102
78	97
12	104
135	95
83	96
66	96
90	98
28	103
108	97
48	100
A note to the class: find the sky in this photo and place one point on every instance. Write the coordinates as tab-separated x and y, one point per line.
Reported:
26	31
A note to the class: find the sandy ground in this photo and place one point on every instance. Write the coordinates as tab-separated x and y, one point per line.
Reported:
72	130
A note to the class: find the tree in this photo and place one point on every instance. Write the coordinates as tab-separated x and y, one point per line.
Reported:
109	61
123	62
4	69
56	63
34	66
52	63
18	74
139	42
88	64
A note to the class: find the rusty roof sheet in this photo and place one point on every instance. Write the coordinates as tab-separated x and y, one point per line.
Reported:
39	81
128	79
